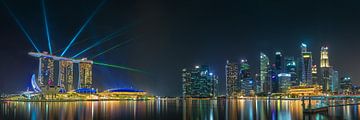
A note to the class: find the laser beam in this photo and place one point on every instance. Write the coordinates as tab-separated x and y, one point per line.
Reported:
82	27
115	46
106	38
46	25
77	42
120	67
21	26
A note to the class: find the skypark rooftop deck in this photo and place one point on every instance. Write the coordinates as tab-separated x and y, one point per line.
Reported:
46	54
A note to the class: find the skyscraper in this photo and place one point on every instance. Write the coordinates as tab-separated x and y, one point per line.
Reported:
284	82
66	75
325	70
274	79
264	73
290	67
306	64
85	75
279	62
346	85
314	74
46	75
247	83
199	82
232	77
258	84
324	57
334	78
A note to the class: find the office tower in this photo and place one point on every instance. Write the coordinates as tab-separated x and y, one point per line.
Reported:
232	77
306	64
334	78
258	89
325	70
290	67
324	57
199	82
247	83
46	75
284	82
264	73
279	62
66	75
325	81
314	74
346	85
274	81
85	74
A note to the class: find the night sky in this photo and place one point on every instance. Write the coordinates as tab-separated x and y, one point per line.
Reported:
175	34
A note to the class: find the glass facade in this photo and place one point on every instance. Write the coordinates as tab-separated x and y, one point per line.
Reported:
199	82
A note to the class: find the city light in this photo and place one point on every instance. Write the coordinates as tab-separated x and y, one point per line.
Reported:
186	64
303	45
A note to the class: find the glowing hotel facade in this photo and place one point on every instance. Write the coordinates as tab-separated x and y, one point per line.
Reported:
58	72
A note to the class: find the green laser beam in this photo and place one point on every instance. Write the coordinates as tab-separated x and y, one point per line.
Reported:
115	46
120	67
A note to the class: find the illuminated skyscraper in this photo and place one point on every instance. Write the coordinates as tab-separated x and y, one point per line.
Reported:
314	74
247	83
46	75
284	82
278	62
232	77
325	70
324	57
346	85
264	73
258	84
57	73
66	75
334	78
291	68
306	64
85	75
274	79
199	82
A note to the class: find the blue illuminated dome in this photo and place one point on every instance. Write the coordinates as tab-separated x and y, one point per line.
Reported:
124	90
62	90
85	90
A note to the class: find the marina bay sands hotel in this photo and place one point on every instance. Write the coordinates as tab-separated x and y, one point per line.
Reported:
61	73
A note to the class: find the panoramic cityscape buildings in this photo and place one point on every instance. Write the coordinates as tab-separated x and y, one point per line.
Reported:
179	60
287	76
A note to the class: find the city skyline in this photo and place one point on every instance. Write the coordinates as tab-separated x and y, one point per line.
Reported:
165	51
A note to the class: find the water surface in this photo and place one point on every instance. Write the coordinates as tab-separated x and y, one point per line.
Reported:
171	110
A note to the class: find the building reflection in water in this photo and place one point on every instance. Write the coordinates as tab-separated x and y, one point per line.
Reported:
231	109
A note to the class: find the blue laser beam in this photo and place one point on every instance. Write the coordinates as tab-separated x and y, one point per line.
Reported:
106	38
46	25
82	27
21	26
120	67
115	46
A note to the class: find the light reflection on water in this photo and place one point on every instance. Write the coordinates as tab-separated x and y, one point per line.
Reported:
171	109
